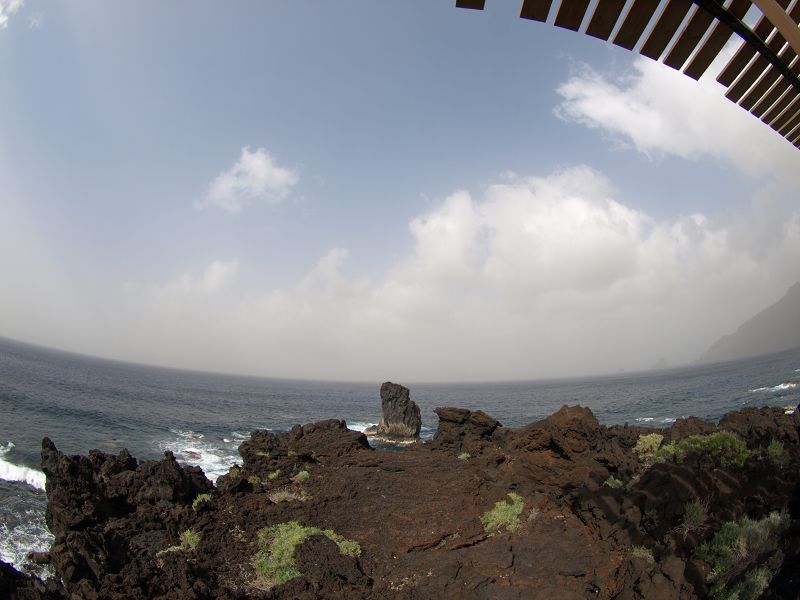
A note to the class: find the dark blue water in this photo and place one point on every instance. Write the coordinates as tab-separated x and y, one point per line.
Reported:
84	403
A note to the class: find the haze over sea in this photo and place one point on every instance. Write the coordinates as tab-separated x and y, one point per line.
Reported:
83	403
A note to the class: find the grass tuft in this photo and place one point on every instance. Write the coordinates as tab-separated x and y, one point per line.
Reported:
613	482
199	500
643	553
504	514
464	456
301	477
273	475
275	558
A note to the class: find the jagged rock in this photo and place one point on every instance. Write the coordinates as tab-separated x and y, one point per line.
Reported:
19	586
400	415
419	516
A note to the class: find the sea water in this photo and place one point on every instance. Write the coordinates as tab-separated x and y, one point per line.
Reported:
83	403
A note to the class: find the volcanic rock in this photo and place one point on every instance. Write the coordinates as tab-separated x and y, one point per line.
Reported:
579	514
400	415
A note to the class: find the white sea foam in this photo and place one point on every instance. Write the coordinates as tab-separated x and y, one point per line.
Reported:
30	535
781	387
656	420
11	472
193	448
360	425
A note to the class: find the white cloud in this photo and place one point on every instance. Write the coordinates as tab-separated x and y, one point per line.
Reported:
540	276
254	177
8	8
657	110
218	276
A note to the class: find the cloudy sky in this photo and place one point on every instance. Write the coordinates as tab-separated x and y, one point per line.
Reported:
369	190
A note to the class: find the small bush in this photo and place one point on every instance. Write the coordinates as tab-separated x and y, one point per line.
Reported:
643	553
776	454
504	514
275	558
737	543
464	456
301	477
647	445
285	496
613	482
750	588
199	500
273	475
695	515
189	539
254	480
722	447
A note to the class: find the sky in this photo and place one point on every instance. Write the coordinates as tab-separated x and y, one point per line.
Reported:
374	190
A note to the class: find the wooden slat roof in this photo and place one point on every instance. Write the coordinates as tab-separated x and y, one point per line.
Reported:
687	35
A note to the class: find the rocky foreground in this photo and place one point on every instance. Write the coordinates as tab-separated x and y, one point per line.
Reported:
563	508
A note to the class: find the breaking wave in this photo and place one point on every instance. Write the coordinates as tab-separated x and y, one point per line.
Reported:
11	472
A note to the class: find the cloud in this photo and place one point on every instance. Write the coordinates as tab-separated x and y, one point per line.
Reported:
657	110
255	177
533	277
217	277
8	8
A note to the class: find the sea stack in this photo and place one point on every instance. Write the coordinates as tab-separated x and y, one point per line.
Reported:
400	416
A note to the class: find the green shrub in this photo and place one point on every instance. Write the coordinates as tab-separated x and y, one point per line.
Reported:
647	445
738	543
254	480
643	553
754	584
722	447
200	499
275	558
301	477
695	515
279	496
464	456
504	514
776	454
613	482
273	475
189	539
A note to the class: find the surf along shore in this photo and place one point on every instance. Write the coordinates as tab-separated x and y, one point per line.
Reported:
563	508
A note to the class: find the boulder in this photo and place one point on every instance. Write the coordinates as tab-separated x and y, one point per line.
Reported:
400	416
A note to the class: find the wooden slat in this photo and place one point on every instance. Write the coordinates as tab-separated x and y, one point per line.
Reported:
473	4
774	112
716	41
535	10
746	52
744	82
635	23
668	23
689	38
789	120
605	17
782	21
754	71
764	84
794	135
771	98
570	14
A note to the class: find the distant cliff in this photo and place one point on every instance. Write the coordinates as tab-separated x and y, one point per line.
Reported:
774	329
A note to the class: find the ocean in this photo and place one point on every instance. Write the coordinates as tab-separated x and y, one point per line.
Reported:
83	403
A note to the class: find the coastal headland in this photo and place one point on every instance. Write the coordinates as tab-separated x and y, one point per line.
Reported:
563	508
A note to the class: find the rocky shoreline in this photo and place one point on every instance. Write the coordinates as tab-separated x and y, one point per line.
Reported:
563	508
